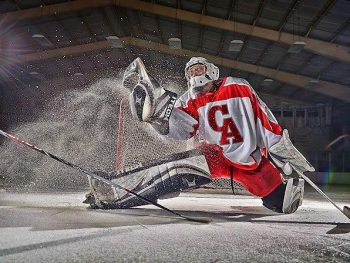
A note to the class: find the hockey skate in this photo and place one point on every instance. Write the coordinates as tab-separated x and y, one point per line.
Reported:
293	196
158	180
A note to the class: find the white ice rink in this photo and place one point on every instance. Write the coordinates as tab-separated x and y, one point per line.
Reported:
57	227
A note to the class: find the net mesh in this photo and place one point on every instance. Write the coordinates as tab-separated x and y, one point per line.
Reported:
138	143
225	184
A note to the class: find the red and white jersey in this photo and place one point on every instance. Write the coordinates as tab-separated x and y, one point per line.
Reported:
232	117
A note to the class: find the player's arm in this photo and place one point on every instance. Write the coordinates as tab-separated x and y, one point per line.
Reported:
268	130
271	136
156	106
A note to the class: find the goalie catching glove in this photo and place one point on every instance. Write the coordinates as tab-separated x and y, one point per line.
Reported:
153	104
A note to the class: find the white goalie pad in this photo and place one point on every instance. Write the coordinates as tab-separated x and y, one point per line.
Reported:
157	180
284	154
293	197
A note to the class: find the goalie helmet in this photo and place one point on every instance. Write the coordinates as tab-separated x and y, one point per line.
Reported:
199	71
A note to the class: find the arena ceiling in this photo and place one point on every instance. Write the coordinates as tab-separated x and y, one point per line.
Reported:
45	39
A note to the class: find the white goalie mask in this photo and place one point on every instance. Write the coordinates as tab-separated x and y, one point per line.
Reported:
198	72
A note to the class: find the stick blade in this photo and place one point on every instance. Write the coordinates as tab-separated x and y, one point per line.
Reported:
205	220
346	211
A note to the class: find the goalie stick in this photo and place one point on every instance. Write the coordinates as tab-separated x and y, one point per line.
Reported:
345	210
93	175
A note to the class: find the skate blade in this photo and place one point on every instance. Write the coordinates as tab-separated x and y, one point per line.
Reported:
205	220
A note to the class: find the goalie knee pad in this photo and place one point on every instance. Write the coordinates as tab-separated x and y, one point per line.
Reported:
157	180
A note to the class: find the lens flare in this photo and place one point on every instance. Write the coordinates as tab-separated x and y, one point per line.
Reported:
14	42
339	138
328	177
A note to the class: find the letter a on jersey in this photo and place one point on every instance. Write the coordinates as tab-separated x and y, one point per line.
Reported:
228	128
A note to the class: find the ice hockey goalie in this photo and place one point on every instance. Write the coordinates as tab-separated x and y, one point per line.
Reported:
238	135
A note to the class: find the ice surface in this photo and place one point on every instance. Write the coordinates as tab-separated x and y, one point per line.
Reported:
57	228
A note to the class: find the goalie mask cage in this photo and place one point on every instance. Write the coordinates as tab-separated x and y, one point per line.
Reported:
138	142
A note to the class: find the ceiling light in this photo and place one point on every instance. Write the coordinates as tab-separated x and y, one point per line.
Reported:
174	43
78	74
267	82
42	40
296	47
313	81
36	75
235	45
114	42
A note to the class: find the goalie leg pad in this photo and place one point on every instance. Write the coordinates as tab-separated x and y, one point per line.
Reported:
158	181
293	197
287	197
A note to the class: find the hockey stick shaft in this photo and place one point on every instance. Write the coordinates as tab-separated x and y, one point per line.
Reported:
93	175
307	179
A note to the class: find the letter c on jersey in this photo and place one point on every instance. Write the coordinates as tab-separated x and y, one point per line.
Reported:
228	128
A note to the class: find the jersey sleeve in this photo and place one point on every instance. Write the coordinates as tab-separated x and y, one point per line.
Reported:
183	122
269	132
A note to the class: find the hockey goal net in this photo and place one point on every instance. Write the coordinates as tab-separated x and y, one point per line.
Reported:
138	142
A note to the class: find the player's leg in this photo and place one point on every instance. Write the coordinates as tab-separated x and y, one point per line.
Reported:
157	180
287	197
278	194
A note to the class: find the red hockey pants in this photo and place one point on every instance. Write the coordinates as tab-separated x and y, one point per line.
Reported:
260	181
